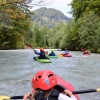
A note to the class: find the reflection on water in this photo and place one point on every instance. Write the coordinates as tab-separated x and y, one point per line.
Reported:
17	68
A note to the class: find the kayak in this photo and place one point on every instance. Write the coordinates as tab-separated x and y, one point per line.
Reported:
66	85
42	60
86	55
67	55
52	56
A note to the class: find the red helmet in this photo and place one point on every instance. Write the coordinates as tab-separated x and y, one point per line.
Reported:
44	79
41	49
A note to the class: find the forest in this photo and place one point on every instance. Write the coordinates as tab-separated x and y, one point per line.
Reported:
82	31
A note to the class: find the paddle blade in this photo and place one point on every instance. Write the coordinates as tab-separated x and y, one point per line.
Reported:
60	55
29	46
98	90
2	97
82	49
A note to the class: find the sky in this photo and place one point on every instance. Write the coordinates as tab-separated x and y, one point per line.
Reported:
59	5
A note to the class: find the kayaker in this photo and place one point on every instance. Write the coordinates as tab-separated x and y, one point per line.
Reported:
66	51
44	84
52	53
85	51
41	54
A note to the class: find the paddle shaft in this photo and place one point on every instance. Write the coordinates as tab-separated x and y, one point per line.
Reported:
74	92
84	91
28	45
17	97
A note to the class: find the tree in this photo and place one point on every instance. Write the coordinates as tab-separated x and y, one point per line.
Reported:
15	21
89	32
81	8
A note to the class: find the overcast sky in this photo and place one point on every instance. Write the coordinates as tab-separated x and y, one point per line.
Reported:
59	5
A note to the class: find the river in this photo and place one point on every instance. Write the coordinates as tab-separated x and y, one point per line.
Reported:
17	68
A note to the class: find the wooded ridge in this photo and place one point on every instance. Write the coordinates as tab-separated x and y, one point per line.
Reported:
48	17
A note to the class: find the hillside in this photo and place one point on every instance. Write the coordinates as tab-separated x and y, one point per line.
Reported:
48	17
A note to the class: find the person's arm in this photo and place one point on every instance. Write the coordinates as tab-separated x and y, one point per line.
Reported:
69	93
63	96
38	53
30	96
27	96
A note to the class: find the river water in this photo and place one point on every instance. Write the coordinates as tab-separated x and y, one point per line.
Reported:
17	68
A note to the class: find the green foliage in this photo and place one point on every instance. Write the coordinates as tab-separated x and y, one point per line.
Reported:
98	51
13	23
72	36
89	34
16	41
81	8
5	2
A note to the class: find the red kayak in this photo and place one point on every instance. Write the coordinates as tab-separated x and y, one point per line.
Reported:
67	55
67	85
85	55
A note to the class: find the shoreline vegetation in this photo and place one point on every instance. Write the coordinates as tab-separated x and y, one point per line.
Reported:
82	31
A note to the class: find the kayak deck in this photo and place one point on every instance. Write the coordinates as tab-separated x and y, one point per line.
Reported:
52	56
67	55
42	60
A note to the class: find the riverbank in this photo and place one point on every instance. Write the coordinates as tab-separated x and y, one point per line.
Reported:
31	49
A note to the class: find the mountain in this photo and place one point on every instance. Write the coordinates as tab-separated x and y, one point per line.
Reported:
48	17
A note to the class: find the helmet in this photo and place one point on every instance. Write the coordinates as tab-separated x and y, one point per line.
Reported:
44	79
41	49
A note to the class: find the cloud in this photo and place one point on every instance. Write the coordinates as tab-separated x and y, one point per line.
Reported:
61	2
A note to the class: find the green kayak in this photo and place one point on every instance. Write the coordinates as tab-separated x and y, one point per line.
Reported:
42	60
52	56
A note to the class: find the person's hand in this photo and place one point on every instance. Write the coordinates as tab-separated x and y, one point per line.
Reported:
67	92
34	50
27	96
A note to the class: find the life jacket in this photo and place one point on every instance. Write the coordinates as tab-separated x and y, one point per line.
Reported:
66	51
52	54
42	55
53	96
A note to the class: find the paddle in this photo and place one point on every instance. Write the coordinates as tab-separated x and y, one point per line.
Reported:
86	91
85	51
2	97
60	55
29	46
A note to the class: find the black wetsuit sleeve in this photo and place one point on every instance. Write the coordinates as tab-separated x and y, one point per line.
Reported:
60	88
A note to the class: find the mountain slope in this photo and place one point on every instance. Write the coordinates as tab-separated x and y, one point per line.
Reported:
48	17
